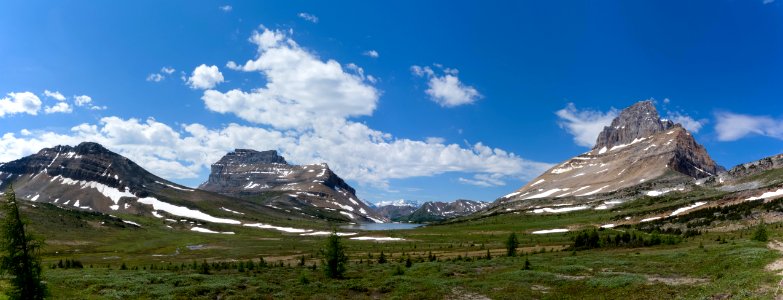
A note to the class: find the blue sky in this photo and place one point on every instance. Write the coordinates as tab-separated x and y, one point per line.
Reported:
408	100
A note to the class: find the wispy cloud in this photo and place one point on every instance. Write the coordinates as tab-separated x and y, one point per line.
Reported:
731	126
226	8
484	180
308	17
160	76
55	95
687	122
584	125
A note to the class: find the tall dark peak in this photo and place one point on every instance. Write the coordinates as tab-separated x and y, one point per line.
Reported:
90	148
640	120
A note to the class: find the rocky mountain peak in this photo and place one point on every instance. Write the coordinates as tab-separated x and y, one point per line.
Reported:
248	173
640	120
637	151
89	148
249	156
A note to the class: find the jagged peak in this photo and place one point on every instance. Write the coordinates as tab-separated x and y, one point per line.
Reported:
639	120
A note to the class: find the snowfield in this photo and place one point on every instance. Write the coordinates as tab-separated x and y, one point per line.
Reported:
550	231
204	230
373	238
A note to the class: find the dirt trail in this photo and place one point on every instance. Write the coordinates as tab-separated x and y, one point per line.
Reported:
776	266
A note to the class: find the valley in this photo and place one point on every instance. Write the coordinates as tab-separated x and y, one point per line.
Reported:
616	222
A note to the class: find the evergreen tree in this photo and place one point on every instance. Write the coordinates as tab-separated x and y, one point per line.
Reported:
204	268
382	258
527	264
20	254
761	232
511	244
334	257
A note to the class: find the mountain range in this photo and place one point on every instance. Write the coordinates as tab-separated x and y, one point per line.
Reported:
637	155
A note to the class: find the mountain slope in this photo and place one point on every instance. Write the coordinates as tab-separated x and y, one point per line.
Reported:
90	177
637	148
313	189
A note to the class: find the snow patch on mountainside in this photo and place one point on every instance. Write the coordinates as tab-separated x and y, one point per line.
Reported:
204	230
767	195
184	211
559	230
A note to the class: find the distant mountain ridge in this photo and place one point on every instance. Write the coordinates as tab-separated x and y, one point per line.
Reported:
434	211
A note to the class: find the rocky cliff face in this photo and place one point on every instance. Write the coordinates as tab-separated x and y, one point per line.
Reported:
637	121
638	148
249	173
756	167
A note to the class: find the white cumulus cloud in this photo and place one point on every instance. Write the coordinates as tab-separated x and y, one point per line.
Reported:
353	150
82	100
17	103
584	125
300	88
435	140
205	77
305	105
371	53
59	107
731	126
446	89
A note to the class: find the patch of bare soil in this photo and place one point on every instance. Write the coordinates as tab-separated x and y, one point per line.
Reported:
461	294
68	243
677	280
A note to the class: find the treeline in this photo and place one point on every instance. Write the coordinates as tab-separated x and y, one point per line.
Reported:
68	264
204	267
591	239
